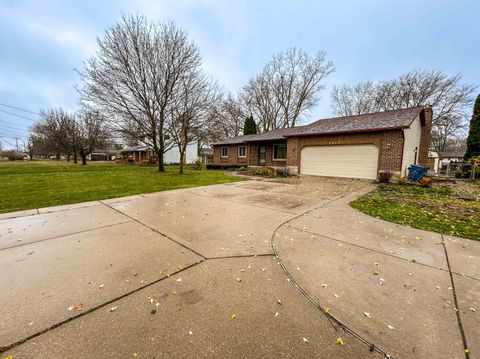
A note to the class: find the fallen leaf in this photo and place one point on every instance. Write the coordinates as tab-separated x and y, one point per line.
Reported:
473	310
391	327
367	314
276	314
375	273
239	280
324	285
179	279
101	286
327	310
234	315
339	341
190	332
279	301
78	307
112	309
305	340
135	355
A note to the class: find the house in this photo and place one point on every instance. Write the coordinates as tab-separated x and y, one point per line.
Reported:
102	155
352	146
455	155
433	161
141	153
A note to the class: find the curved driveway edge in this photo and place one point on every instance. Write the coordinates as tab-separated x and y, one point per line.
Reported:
388	283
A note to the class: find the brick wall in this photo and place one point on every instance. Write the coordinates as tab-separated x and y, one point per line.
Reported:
232	158
391	151
425	138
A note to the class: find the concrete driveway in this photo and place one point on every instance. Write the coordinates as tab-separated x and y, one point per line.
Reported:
246	269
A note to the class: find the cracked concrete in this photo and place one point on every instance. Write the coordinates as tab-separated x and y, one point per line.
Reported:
205	256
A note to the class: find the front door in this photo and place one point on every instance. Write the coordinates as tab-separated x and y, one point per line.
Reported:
261	156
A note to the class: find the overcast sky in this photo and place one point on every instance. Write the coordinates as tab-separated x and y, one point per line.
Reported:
42	42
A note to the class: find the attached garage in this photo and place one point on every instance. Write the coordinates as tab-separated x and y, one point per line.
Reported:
359	161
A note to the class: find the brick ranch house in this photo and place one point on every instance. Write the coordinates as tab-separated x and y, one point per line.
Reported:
353	146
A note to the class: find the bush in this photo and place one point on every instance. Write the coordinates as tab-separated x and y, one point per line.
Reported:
425	182
384	176
402	180
198	165
121	162
265	172
12	155
282	172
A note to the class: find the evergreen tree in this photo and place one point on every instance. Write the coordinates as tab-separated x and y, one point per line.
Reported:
473	139
250	127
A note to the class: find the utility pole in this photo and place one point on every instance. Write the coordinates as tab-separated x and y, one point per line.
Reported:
16	143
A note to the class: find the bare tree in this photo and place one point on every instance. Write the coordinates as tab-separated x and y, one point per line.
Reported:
226	118
191	109
88	133
445	133
53	132
134	78
448	96
288	87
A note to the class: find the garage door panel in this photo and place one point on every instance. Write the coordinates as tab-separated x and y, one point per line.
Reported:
354	161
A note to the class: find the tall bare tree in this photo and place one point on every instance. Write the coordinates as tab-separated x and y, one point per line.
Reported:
134	78
190	111
88	133
227	115
288	87
53	132
448	96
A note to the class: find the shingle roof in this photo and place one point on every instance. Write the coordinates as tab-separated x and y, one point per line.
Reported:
453	153
378	121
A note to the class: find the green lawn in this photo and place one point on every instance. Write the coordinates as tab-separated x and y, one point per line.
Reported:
34	184
449	209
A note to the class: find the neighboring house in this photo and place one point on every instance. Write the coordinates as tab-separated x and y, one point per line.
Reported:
141	153
352	146
448	156
433	161
103	155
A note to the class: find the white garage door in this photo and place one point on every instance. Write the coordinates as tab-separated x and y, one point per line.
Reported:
353	161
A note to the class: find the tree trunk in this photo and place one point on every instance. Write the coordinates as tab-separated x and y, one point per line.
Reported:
84	159
182	159
68	157
161	166
58	156
75	157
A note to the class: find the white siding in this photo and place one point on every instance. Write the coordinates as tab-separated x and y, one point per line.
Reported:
351	161
173	155
411	144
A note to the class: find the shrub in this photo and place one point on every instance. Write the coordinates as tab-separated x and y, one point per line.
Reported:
384	176
121	162
425	182
281	172
198	165
12	155
265	172
402	180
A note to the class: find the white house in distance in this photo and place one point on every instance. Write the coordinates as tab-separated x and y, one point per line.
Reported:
143	153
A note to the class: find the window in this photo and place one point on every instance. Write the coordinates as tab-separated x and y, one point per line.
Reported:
242	151
224	152
280	152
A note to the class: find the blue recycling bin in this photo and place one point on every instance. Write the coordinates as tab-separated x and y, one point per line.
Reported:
416	172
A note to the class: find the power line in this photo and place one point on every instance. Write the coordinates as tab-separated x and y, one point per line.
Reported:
14	114
8	126
20	109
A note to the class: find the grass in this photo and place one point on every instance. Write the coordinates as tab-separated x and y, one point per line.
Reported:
34	184
438	209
